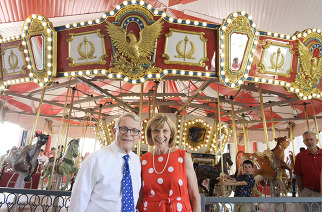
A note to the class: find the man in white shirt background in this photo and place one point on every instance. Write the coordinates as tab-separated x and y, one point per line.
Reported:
41	159
99	183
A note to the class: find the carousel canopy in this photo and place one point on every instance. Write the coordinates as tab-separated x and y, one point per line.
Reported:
178	88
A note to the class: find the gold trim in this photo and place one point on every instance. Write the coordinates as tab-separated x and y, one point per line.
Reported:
23	68
133	8
239	25
198	124
262	66
37	30
202	60
101	61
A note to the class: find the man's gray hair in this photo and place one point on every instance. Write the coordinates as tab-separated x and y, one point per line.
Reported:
133	115
309	132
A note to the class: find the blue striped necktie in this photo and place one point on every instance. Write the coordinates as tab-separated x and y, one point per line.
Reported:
127	190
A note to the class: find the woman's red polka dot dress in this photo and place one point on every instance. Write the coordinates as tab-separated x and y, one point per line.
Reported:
167	191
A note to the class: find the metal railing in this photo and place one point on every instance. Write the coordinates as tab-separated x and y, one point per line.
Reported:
33	200
278	204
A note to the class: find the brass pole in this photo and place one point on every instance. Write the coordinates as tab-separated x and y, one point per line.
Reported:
273	124
4	101
245	137
233	117
138	146
291	135
221	142
59	137
263	115
316	124
306	117
154	98
98	125
69	115
149	103
37	115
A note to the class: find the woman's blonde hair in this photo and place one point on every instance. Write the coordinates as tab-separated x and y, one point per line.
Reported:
158	121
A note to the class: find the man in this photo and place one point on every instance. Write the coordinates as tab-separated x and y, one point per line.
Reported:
42	160
308	165
101	184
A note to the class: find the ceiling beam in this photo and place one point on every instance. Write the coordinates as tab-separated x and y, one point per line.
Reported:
54	86
12	93
195	94
252	87
102	91
268	104
275	120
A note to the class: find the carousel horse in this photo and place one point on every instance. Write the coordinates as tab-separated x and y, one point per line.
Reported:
212	173
8	159
268	165
25	160
63	166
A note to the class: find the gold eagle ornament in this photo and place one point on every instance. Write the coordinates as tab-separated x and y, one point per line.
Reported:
311	67
137	53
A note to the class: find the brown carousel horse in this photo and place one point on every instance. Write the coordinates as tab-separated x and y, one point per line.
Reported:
25	160
268	165
212	173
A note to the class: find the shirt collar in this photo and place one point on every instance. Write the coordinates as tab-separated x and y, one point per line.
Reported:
319	152
118	151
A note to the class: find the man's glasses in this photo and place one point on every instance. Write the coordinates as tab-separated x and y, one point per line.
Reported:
123	130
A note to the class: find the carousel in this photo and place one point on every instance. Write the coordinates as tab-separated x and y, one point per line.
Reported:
234	91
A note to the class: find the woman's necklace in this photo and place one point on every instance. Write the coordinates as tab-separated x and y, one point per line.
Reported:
165	163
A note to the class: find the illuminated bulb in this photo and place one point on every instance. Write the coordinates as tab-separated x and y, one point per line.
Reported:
149	6
243	12
158	75
282	83
204	24
165	72
133	1
72	73
27	58
256	79
112	13
30	74
126	79
275	34
150	75
95	71
233	85
246	76
28	20
196	23
305	97
97	21
34	16
299	35
309	31
276	82
66	74
222	72
67	26
235	14
255	42
110	75
199	74
304	34
35	81
207	74
23	35
118	75
263	80
292	89
224	28
240	82
297	90
253	25
118	7
39	17
88	72
250	17
222	64
179	20
288	37
49	39
23	43
155	12
188	21
288	84
269	33
170	20
141	2
82	23
80	73
125	2
89	22
103	71
310	97
282	35
29	66
27	79
48	31
301	94
270	81
314	30
49	47
229	21
49	56
49	64
226	80
46	79
142	79
294	38
164	15
256	33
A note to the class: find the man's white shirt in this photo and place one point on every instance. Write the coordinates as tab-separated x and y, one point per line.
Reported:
98	185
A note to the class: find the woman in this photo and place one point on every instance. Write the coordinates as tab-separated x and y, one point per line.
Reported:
169	182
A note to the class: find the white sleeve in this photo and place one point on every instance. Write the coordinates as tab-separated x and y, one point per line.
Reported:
83	187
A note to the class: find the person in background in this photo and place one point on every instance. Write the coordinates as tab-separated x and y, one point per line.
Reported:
244	184
169	182
308	165
51	153
110	179
42	159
